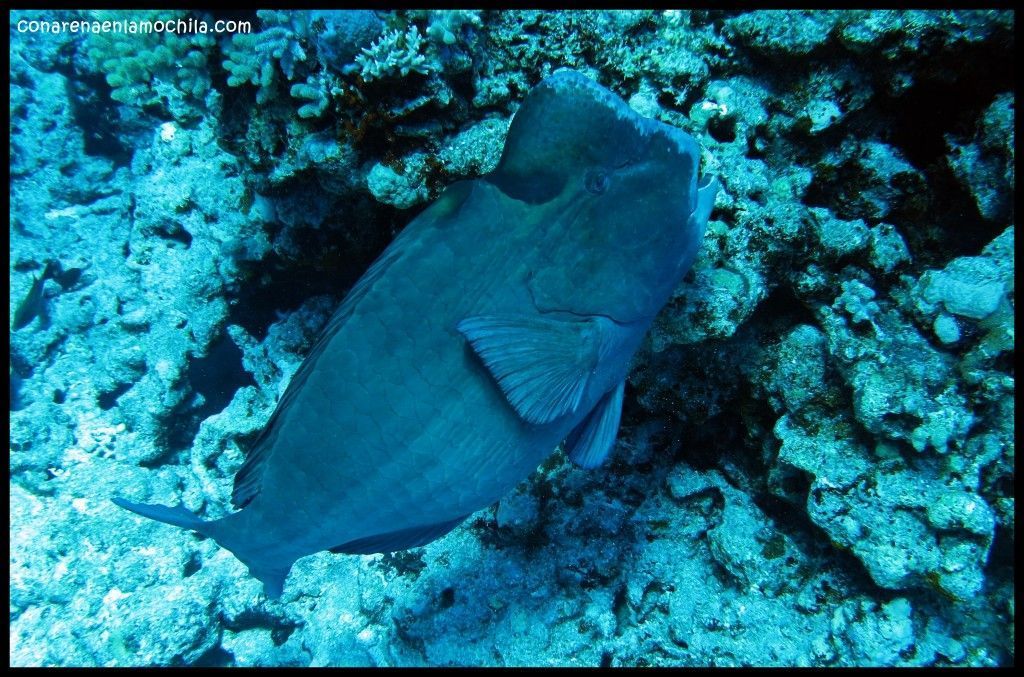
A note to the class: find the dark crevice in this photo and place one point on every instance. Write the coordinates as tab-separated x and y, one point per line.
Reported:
958	229
325	264
280	634
722	128
1002	553
778	313
447	599
794	523
953	89
218	375
192	566
281	288
213	380
108	399
178	234
280	628
953	107
215	657
96	114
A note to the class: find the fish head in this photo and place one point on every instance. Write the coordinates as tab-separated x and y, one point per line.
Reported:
618	209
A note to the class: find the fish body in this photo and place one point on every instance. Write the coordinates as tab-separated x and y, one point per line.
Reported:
34	303
500	323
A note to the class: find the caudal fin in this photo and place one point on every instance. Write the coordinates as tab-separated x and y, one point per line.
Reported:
272	575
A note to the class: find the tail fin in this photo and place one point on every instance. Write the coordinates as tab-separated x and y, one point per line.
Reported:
272	576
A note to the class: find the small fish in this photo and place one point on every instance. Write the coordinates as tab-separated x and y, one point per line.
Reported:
500	323
34	302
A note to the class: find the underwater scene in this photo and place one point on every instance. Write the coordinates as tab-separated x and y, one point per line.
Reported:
511	338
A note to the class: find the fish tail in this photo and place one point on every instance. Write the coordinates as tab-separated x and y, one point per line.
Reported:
272	577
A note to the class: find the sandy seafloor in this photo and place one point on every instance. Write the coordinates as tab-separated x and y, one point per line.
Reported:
815	465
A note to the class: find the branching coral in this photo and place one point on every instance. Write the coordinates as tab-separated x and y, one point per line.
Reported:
251	56
136	64
288	43
316	91
395	53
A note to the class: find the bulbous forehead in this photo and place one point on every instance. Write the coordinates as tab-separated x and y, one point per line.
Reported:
569	124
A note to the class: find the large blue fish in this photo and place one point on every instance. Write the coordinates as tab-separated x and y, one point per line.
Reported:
500	323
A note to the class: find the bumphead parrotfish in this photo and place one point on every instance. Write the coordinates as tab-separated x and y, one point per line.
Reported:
498	324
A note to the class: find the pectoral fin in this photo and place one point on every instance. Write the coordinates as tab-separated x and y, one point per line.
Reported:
542	365
589	444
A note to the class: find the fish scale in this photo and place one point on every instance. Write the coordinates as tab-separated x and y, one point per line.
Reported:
500	322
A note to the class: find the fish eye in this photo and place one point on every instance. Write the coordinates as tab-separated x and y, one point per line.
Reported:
596	181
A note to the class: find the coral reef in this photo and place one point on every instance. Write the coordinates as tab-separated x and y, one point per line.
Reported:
395	53
339	35
816	459
150	67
